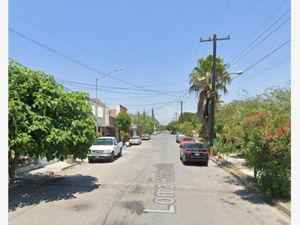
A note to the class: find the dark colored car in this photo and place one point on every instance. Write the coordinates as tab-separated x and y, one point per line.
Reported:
194	152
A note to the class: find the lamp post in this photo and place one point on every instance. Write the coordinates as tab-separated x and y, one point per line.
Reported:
105	75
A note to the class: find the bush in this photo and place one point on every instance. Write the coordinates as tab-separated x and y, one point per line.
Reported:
268	149
98	134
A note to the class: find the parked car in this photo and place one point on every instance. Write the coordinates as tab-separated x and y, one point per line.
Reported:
184	140
146	137
178	137
105	148
194	152
135	140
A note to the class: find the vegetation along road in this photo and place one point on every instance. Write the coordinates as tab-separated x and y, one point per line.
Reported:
147	185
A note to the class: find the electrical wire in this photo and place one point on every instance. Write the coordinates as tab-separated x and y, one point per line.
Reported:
56	52
262	24
76	44
266	56
260	35
244	16
261	41
76	61
264	70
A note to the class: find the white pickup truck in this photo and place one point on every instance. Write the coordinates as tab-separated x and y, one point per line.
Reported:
105	148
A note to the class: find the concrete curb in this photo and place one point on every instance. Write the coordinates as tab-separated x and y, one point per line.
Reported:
71	165
251	187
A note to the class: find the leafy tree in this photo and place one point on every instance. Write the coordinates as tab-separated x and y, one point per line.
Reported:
123	121
45	120
145	123
186	128
200	83
190	117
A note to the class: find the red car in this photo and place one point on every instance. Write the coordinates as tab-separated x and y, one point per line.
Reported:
185	140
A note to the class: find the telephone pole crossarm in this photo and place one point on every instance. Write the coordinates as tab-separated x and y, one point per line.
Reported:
213	88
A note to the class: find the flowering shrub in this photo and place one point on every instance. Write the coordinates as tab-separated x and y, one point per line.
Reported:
267	149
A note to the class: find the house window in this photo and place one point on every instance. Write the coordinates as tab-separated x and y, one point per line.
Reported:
100	111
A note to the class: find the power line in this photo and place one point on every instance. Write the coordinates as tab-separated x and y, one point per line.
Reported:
222	15
75	60
63	38
56	52
264	22
244	16
115	87
260	35
266	69
251	49
266	56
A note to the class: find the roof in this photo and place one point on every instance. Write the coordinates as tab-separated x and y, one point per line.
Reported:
97	101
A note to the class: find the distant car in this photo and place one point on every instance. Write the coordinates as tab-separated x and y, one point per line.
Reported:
105	148
135	140
194	152
185	140
146	137
178	137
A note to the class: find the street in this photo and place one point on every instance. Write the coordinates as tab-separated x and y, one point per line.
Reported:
147	185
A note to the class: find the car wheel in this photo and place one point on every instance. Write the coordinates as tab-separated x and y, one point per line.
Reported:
183	160
120	153
112	157
205	164
90	160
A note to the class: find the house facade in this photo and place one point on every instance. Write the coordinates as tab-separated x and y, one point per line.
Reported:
104	123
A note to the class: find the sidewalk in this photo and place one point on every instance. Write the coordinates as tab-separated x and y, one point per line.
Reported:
234	164
42	174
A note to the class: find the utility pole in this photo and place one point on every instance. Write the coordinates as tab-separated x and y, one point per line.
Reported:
96	88
181	108
138	124
213	90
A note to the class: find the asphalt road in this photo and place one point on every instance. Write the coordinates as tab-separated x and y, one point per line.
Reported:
147	185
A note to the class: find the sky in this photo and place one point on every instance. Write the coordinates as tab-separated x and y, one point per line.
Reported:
152	47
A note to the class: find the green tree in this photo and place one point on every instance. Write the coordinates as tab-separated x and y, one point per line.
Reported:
45	120
200	83
145	123
123	121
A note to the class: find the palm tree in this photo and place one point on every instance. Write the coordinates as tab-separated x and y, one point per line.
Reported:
200	83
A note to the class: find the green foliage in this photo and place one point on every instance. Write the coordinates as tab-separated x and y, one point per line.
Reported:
99	134
123	121
187	123
144	123
186	128
124	136
173	126
268	149
258	127
45	120
200	84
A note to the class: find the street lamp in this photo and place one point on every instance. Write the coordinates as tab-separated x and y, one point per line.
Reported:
105	75
239	72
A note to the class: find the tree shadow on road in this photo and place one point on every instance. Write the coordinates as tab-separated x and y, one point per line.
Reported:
244	193
46	188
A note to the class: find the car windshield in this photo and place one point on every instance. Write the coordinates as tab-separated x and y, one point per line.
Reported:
104	141
135	137
195	146
188	139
